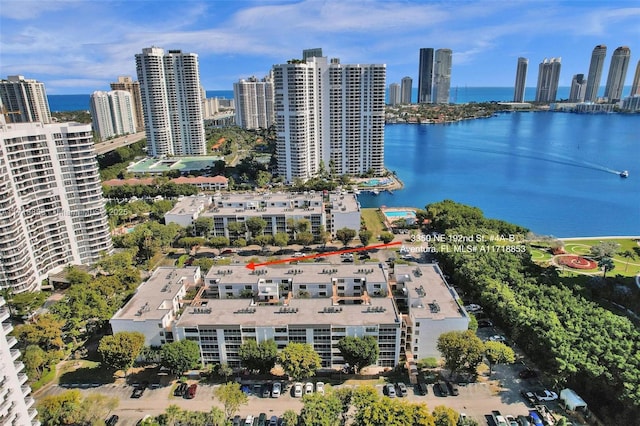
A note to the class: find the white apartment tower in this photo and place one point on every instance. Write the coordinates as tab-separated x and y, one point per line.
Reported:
548	77
442	76
52	212
16	404
24	100
126	83
171	102
394	94
595	72
112	113
521	80
617	74
578	88
254	103
331	113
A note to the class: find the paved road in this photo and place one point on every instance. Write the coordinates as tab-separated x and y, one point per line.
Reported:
110	145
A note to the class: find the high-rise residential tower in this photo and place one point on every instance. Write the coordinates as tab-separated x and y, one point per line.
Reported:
52	212
329	113
171	102
548	78
425	76
394	94
24	100
112	113
406	88
635	86
127	84
254	103
578	88
617	74
521	80
595	73
442	76
312	53
16	405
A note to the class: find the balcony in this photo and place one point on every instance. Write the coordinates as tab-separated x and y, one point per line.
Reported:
26	390
19	366
8	328
33	413
22	378
15	354
29	402
4	314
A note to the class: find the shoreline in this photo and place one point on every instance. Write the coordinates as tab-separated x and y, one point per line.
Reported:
609	237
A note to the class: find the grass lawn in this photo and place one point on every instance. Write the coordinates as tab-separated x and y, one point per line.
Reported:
372	220
83	371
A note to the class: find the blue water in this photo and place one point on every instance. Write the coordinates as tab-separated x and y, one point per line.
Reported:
399	213
555	173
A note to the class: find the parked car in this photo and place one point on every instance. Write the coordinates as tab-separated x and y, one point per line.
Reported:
527	373
546	395
452	388
422	388
308	388
484	323
511	421
276	389
273	421
111	421
138	391
402	389
249	420
262	419
191	391
237	421
390	390
320	388
180	389
498	338
529	397
266	390
297	390
145	418
472	307
535	419
523	421
498	418
226	252
440	388
298	254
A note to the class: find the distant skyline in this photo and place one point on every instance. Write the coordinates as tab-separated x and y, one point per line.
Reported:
77	47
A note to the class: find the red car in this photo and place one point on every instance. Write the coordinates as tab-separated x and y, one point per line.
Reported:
191	391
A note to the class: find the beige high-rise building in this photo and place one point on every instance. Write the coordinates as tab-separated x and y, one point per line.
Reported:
126	83
595	73
52	212
548	78
617	74
24	100
406	88
521	80
112	113
329	113
253	99
394	94
442	76
635	86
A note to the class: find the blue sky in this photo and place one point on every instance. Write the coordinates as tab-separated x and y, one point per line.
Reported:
80	46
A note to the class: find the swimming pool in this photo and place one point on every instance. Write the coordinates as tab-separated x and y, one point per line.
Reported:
376	182
400	213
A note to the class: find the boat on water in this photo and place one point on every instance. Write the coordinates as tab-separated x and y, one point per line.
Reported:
375	191
624	174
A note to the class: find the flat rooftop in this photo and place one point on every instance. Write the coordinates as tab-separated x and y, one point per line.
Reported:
153	298
429	294
344	202
300	312
266	203
301	273
190	205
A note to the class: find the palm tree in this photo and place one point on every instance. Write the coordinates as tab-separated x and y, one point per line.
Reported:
628	254
606	263
172	412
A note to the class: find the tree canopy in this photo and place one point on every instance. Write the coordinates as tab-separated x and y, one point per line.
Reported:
180	356
461	350
299	360
359	351
231	397
119	351
344	235
259	356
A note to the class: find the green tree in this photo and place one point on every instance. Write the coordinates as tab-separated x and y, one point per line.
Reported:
393	412
461	349
237	229
445	416
180	356
321	410
34	359
203	226
172	413
299	360
61	409
240	242
120	350
365	236
224	371
498	353
359	351
259	356
262	240
604	249
45	332
219	242
345	235
363	396
305	238
26	302
281	239
386	237
628	254
255	225
95	407
289	418
204	263
231	397
606	264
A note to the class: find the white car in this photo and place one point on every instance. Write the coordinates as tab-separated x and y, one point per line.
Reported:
276	390
473	307
498	338
320	388
546	395
298	254
249	420
308	388
297	390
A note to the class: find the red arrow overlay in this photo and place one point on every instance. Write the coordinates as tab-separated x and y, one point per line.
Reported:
253	266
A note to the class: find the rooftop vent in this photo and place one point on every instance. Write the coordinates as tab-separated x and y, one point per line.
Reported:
434	307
